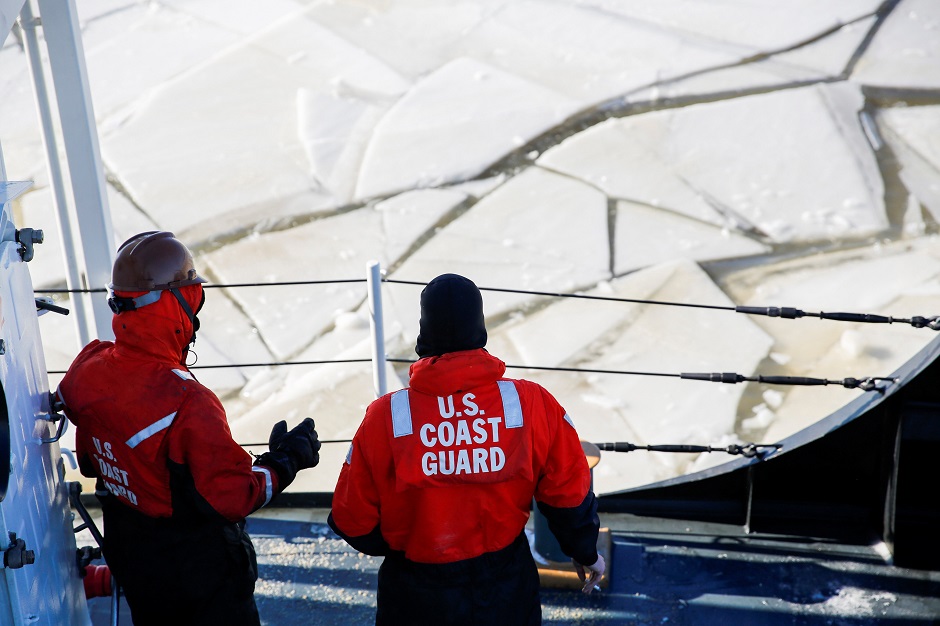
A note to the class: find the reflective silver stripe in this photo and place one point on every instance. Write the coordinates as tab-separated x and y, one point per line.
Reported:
401	413
268	483
512	410
147	298
183	374
568	419
58	393
153	429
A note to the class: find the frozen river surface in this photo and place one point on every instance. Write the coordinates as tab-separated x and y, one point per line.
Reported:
689	151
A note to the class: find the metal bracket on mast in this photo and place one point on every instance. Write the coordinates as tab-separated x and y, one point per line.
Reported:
26	237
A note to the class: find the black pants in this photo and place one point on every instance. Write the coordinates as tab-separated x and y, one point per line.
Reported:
181	574
496	588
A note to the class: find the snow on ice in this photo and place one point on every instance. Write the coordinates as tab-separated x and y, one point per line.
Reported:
686	151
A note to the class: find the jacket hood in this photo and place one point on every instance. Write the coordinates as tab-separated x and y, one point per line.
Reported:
161	330
455	371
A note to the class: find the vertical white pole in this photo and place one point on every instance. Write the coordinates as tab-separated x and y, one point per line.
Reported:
377	328
80	136
81	302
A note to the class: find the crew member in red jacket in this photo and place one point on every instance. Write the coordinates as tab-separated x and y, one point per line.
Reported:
174	486
441	475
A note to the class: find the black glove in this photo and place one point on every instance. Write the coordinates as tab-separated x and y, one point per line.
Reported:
290	452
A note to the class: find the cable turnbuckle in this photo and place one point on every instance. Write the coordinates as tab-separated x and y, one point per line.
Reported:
932	322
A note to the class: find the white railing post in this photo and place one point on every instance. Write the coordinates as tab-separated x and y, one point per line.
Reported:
376	326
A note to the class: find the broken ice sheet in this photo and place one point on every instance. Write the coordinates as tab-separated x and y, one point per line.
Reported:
49	267
589	55
670	340
60	340
821	59
453	124
536	338
648	338
241	18
290	317
127	61
226	337
412	214
701	159
626	159
884	281
246	158
831	54
23	149
913	132
335	131
601	409
646	236
757	26
334	395
860	350
249	163
414	38
227	143
538	232
906	52
600	418
861	281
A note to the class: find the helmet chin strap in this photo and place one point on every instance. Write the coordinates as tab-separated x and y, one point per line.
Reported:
193	320
119	304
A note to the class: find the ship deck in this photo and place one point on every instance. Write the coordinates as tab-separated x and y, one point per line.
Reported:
661	572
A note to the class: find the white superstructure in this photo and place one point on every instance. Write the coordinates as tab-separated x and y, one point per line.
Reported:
40	582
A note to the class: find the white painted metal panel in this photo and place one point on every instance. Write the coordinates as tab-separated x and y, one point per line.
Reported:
48	592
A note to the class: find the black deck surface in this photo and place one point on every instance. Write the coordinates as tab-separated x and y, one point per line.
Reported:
662	572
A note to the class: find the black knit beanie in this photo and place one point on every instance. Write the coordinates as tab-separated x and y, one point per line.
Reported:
451	316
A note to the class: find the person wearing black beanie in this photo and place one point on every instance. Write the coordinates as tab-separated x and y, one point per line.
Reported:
441	475
451	316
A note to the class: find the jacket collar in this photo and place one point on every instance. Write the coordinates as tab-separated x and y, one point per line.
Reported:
455	371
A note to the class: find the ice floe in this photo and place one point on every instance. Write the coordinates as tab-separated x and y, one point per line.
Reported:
906	53
914	135
743	159
453	124
722	153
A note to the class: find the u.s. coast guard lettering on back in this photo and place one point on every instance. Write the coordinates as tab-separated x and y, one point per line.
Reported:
466	440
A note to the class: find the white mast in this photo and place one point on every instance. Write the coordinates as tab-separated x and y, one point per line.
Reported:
89	192
81	302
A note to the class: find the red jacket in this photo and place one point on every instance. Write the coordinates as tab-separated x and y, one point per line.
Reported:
147	427
448	467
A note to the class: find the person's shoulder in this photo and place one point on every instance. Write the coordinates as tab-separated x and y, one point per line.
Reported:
95	346
377	420
381	406
531	392
195	400
186	384
528	386
87	355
